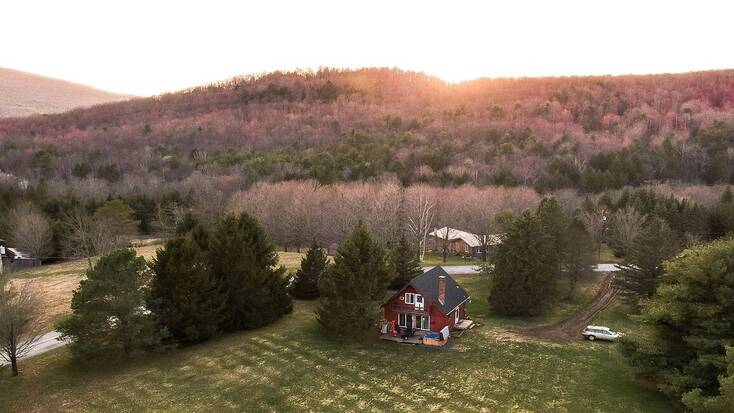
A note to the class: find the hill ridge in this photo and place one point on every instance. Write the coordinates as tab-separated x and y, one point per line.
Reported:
24	93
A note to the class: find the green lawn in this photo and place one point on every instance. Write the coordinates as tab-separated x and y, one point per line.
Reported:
434	258
290	366
605	254
479	309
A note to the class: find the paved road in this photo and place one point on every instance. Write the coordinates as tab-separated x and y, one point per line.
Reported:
606	268
474	269
48	341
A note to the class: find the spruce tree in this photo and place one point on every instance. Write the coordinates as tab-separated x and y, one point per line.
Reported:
108	309
526	269
555	224
578	254
721	217
688	322
244	263
571	242
306	280
354	287
642	269
405	263
185	296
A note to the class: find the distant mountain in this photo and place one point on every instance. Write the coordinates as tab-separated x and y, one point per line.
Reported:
23	94
590	133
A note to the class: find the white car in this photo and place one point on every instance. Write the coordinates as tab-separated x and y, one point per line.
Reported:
600	333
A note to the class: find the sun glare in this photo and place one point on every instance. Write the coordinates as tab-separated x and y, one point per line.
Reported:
464	42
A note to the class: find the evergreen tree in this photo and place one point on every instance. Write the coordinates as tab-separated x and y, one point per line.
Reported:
185	297
526	269
244	263
721	217
570	241
698	402
354	287
405	263
306	281
555	224
689	326
108	308
643	267
578	254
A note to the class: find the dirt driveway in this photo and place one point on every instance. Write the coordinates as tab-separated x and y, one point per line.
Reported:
570	329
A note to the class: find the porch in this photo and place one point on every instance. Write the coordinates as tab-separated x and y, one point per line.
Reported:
416	338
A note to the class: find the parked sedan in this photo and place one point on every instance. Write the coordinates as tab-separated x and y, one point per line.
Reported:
600	333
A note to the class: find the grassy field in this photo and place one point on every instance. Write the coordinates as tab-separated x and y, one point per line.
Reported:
562	309
290	366
434	258
58	281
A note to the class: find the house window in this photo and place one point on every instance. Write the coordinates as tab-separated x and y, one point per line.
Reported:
419	301
425	323
402	320
409	298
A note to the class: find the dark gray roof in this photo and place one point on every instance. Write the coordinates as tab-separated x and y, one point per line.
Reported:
427	284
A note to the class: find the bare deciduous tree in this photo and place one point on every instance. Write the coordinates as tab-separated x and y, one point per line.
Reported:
79	243
595	222
111	227
626	225
420	210
168	217
30	230
19	327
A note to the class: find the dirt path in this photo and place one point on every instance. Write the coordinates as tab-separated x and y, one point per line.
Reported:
570	329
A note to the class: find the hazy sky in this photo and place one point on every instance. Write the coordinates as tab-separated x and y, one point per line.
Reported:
148	47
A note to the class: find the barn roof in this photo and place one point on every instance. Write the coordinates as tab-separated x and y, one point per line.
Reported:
427	285
473	240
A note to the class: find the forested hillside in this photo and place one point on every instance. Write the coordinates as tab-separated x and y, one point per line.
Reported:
588	133
310	154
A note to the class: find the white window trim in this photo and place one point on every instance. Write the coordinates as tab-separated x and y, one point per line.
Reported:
429	323
420	302
412	298
415	325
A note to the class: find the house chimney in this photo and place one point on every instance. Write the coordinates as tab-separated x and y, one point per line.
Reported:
442	289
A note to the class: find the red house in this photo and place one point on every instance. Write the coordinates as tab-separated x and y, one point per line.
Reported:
431	302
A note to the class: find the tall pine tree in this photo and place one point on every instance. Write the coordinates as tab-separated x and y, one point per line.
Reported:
306	281
108	309
643	266
353	288
404	262
689	323
525	269
184	296
245	264
571	242
578	254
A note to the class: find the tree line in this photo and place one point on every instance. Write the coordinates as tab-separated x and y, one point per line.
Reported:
677	285
590	134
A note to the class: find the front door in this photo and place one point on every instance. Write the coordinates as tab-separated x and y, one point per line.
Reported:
409	322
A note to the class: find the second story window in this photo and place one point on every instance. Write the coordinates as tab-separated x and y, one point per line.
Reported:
415	299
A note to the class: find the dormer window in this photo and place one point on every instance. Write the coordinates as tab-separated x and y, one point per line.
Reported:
415	299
